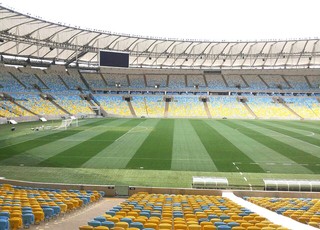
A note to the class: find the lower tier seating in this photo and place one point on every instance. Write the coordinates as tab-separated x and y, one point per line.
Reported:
183	212
25	206
304	210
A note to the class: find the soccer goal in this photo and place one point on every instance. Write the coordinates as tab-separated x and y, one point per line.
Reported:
69	122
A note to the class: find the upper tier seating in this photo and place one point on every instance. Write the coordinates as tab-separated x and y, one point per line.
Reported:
153	80
73	79
215	81
30	77
94	80
297	82
177	81
113	79
235	81
255	82
137	81
275	81
54	83
314	81
9	83
196	80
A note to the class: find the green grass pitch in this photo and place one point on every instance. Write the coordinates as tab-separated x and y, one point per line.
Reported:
162	152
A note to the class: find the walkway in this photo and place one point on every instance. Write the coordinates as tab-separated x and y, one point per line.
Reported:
272	216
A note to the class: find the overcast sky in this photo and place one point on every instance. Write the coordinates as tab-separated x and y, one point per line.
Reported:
202	19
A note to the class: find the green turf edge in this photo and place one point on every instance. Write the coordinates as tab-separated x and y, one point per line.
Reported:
135	177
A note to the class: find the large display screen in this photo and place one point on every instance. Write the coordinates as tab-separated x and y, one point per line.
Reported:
115	59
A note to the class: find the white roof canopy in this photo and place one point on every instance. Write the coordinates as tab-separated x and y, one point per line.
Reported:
26	36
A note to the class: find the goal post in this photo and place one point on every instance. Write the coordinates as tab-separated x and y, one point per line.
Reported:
69	122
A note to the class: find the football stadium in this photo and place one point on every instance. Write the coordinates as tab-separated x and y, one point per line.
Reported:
100	130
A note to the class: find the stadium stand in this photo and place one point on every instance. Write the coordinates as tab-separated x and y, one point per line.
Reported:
228	107
177	81
113	79
25	206
8	82
235	81
195	81
304	106
221	80
275	81
266	107
297	82
215	81
114	105
74	104
153	80
12	110
94	80
314	81
73	79
36	104
184	106
137	81
155	106
28	76
54	83
140	106
304	210
255	82
196	212
65	87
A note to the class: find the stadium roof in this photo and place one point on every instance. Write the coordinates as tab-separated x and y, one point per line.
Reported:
22	35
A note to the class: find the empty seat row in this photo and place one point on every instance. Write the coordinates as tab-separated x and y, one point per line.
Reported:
179	212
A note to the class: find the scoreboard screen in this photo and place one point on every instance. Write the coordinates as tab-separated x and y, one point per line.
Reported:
114	59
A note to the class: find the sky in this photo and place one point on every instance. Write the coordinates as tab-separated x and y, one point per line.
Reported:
214	20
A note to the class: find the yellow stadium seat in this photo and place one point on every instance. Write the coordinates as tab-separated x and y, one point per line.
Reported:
124	225
194	227
86	227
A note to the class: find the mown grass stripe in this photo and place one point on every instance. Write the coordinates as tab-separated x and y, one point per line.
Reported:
79	154
257	151
302	125
284	153
297	132
16	139
294	142
126	145
12	150
279	129
36	155
156	150
221	150
188	152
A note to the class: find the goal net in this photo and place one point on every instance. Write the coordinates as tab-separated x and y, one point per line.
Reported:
70	122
